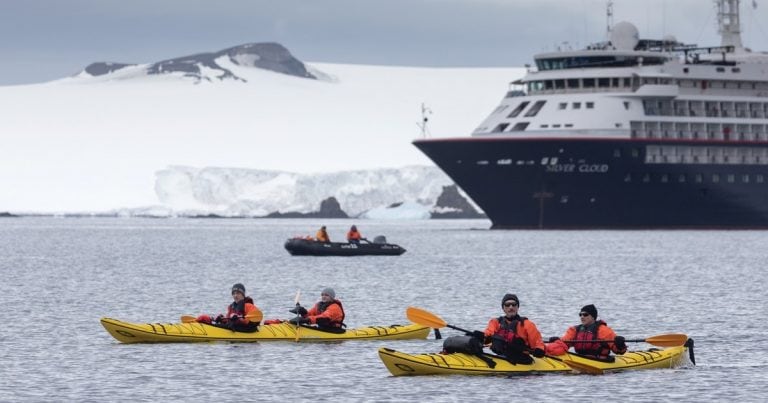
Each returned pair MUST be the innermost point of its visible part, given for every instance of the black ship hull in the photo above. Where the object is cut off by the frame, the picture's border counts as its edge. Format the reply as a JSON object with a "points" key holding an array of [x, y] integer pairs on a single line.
{"points": [[569, 183]]}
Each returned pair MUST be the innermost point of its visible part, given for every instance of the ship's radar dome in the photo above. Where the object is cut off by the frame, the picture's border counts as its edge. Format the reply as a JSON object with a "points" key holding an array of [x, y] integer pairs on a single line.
{"points": [[624, 36]]}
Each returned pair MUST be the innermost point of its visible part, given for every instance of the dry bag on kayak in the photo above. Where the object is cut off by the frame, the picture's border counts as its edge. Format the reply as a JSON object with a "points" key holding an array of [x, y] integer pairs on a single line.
{"points": [[467, 345]]}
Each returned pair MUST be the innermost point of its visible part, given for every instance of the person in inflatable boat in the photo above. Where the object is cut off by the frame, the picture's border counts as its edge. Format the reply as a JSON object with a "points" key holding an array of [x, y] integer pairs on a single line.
{"points": [[584, 337], [327, 314], [353, 235], [237, 312], [513, 336], [322, 235]]}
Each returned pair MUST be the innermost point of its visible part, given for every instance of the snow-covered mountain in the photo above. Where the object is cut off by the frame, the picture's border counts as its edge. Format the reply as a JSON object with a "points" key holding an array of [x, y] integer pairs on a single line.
{"points": [[99, 140]]}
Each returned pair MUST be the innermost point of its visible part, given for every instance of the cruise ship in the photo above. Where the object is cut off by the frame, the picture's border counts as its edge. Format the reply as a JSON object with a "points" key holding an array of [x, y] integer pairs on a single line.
{"points": [[628, 133]]}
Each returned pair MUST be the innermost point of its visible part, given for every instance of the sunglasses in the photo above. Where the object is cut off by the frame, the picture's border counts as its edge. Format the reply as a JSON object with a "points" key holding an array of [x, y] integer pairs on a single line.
{"points": [[508, 304], [583, 314]]}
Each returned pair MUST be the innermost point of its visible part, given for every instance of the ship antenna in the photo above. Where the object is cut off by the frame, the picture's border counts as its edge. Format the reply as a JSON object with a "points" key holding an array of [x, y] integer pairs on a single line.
{"points": [[425, 111], [729, 23], [609, 18]]}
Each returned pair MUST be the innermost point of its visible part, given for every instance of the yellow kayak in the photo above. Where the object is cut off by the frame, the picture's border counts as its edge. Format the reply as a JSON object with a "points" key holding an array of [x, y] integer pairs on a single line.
{"points": [[199, 332], [399, 363]]}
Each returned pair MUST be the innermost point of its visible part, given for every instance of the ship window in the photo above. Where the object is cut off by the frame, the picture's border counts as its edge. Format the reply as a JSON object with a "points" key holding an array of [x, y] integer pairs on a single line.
{"points": [[731, 178], [759, 178], [589, 83], [745, 178], [500, 128], [626, 105], [720, 69], [577, 105], [699, 178], [545, 161], [562, 105], [664, 178], [635, 152], [715, 178], [647, 178], [559, 84], [569, 125], [535, 108], [590, 105], [544, 126], [548, 85], [518, 109], [627, 82], [520, 127], [573, 83], [736, 70], [556, 126], [617, 153], [681, 178], [685, 70], [615, 82], [603, 82], [628, 178]]}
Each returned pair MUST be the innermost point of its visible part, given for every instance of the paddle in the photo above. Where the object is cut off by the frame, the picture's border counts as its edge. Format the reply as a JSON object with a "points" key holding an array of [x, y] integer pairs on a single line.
{"points": [[256, 316], [426, 318], [661, 340], [298, 326]]}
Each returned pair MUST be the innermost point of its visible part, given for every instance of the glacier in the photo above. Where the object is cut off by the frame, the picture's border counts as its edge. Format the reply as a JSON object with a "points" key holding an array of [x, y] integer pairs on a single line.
{"points": [[233, 192]]}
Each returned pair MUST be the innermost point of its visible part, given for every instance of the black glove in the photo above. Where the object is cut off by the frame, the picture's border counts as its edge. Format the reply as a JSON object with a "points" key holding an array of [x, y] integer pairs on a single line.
{"points": [[478, 335], [219, 319], [553, 339], [538, 353], [233, 318], [298, 320], [298, 310], [620, 343]]}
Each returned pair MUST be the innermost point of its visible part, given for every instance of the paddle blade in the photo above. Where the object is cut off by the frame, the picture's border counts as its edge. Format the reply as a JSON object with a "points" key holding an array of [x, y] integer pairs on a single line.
{"points": [[668, 340], [424, 318], [188, 319], [256, 316]]}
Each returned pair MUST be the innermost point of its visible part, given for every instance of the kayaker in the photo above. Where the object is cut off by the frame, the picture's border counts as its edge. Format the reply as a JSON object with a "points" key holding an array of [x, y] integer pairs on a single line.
{"points": [[581, 336], [235, 319], [513, 336], [322, 235], [353, 235], [327, 314]]}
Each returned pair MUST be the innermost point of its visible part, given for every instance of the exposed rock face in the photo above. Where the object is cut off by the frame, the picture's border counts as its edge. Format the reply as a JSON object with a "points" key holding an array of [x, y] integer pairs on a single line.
{"points": [[6, 214], [269, 56], [101, 68], [451, 204], [329, 208]]}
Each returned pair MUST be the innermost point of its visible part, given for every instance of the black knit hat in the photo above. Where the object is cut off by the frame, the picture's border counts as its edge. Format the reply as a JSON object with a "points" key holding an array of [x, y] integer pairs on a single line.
{"points": [[508, 297], [238, 287], [590, 309]]}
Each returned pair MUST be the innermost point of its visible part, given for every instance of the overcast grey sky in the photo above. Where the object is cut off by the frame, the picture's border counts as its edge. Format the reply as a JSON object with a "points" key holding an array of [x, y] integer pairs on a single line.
{"points": [[42, 40]]}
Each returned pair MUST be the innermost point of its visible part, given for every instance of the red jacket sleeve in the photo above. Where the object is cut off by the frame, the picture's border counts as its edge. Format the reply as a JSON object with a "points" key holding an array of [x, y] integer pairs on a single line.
{"points": [[530, 333], [332, 313]]}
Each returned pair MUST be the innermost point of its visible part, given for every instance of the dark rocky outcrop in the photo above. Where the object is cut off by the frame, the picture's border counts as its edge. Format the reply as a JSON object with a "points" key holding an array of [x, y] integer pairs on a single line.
{"points": [[6, 214], [451, 204], [329, 208], [268, 55], [101, 68]]}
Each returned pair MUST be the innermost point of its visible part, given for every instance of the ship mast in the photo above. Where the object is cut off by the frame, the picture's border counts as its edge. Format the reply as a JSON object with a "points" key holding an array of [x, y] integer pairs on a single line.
{"points": [[609, 18], [729, 23]]}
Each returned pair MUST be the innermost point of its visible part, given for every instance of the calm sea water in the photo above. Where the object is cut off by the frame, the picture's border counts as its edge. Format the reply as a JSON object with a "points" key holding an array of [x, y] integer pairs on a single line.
{"points": [[59, 276]]}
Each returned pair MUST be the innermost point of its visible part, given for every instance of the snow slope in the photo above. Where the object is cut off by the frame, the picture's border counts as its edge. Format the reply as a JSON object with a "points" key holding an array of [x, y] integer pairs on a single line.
{"points": [[90, 144]]}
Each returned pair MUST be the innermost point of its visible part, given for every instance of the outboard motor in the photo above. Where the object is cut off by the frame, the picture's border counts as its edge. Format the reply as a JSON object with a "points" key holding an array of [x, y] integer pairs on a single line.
{"points": [[381, 239]]}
